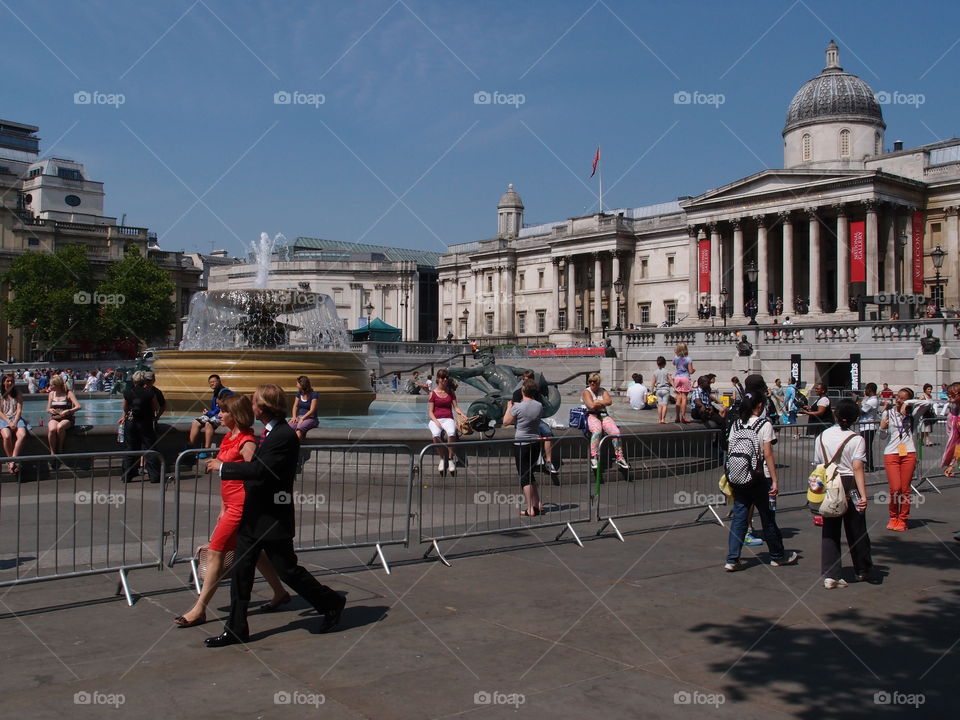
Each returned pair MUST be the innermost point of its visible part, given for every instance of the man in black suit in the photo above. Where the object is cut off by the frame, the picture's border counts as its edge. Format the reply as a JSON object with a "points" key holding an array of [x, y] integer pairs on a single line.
{"points": [[268, 522]]}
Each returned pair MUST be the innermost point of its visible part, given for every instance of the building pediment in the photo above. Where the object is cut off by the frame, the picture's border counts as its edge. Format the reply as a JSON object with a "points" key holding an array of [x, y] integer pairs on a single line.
{"points": [[772, 183]]}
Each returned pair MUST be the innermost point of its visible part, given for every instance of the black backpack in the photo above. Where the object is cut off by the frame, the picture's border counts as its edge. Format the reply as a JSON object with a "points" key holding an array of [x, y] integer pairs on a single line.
{"points": [[801, 399]]}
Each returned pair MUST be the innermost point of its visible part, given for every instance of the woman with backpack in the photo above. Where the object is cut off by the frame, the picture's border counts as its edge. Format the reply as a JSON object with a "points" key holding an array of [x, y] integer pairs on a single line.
{"points": [[752, 474], [846, 449]]}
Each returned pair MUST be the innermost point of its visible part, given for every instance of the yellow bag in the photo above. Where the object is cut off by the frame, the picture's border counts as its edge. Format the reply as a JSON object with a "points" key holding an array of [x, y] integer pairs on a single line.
{"points": [[725, 486], [651, 399]]}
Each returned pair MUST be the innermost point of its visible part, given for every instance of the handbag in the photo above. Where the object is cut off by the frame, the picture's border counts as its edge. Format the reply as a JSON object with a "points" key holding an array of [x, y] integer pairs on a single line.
{"points": [[834, 503], [464, 426], [578, 418], [202, 558]]}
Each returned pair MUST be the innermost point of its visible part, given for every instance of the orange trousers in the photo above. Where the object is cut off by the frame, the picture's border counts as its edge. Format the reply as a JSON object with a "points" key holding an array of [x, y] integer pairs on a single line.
{"points": [[899, 473]]}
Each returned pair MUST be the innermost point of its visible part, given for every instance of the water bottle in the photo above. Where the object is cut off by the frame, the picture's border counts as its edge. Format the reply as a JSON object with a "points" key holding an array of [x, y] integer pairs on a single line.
{"points": [[855, 499], [121, 433], [773, 502]]}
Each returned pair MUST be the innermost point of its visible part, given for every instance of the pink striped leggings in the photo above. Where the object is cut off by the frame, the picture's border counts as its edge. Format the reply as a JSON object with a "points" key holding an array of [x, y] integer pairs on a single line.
{"points": [[598, 428]]}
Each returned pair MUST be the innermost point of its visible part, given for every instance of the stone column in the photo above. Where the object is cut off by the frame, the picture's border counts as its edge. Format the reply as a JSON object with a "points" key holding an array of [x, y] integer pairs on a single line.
{"points": [[843, 260], [715, 266], [952, 247], [497, 301], [477, 315], [815, 260], [612, 292], [356, 309], [553, 314], [693, 263], [509, 304], [597, 292], [872, 247], [788, 261], [763, 277], [737, 267], [890, 252], [571, 294]]}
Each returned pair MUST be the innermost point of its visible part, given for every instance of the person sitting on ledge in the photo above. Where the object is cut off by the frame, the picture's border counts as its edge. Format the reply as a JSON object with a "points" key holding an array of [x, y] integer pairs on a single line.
{"points": [[210, 420]]}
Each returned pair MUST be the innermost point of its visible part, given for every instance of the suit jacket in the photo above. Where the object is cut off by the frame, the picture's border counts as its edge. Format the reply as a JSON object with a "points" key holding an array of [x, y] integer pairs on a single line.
{"points": [[268, 511]]}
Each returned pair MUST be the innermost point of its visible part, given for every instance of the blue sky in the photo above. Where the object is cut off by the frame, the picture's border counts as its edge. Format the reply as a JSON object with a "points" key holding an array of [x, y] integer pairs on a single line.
{"points": [[398, 152]]}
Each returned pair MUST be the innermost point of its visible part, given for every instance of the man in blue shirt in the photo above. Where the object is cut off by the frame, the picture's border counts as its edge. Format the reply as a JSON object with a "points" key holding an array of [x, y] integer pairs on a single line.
{"points": [[210, 420]]}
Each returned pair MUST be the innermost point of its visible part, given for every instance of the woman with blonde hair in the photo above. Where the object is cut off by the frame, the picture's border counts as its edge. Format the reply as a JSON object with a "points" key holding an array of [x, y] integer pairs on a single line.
{"points": [[597, 400], [236, 414], [62, 406], [681, 379]]}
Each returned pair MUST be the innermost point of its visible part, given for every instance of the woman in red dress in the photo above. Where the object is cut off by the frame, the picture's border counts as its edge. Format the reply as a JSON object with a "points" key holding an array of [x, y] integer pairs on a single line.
{"points": [[236, 413]]}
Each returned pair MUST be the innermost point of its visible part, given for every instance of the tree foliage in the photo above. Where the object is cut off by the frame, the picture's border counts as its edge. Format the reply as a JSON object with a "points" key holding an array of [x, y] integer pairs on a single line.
{"points": [[48, 294], [136, 300]]}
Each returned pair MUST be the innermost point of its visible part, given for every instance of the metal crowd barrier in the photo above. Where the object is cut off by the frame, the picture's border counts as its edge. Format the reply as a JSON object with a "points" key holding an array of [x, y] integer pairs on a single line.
{"points": [[71, 515], [929, 456], [484, 496], [346, 496]]}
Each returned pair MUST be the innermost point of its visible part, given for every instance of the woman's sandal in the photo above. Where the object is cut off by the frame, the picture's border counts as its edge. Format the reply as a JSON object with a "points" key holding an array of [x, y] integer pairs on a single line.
{"points": [[532, 512], [181, 622]]}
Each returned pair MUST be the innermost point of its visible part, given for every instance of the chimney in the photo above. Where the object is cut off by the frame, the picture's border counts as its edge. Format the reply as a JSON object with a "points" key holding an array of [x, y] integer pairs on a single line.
{"points": [[897, 145]]}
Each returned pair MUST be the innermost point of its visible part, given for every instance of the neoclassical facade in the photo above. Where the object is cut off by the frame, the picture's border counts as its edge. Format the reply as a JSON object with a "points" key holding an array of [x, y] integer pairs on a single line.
{"points": [[843, 222]]}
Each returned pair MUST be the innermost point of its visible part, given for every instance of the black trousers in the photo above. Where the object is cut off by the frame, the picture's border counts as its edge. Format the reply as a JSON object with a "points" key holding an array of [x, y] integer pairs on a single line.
{"points": [[284, 561], [526, 455], [868, 436], [855, 526], [140, 437]]}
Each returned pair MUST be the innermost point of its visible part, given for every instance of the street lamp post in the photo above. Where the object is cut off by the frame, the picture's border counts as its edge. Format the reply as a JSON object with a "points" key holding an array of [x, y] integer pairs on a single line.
{"points": [[466, 318], [752, 274], [618, 289], [723, 305], [369, 309], [937, 255]]}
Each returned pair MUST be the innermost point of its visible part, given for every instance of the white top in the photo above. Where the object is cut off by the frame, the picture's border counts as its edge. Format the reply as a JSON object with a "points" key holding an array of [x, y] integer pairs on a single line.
{"points": [[637, 393], [898, 433], [870, 413], [856, 449]]}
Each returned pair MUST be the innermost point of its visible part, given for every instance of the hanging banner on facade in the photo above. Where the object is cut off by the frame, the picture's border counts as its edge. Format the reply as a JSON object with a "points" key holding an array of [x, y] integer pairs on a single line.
{"points": [[703, 265], [917, 247], [855, 371], [795, 368], [858, 263]]}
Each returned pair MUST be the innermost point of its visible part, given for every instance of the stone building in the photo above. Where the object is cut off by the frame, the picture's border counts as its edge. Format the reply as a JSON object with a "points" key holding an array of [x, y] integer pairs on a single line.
{"points": [[844, 226]]}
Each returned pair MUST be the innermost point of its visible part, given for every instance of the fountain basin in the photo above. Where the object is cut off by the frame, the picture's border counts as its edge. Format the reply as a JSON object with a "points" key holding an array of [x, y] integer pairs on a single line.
{"points": [[341, 378]]}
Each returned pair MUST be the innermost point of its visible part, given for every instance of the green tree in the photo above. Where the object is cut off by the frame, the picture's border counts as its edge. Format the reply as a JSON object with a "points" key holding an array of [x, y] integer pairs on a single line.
{"points": [[136, 300], [51, 295]]}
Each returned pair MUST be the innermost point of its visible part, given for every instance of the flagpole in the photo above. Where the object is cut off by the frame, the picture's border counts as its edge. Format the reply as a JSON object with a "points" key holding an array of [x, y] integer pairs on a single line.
{"points": [[600, 168]]}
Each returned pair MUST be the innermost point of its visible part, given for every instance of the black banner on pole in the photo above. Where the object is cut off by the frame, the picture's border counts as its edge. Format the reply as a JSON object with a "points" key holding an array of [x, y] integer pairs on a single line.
{"points": [[795, 368], [855, 371]]}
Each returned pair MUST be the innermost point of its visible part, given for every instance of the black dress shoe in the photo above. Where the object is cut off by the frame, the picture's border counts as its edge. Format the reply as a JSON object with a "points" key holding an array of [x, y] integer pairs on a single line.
{"points": [[332, 618], [227, 637]]}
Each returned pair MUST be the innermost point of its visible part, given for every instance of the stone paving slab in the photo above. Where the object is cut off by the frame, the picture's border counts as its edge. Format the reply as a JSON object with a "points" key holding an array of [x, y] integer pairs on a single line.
{"points": [[515, 628]]}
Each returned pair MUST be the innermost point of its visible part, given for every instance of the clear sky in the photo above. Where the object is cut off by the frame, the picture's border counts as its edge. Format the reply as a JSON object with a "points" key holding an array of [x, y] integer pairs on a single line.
{"points": [[385, 143]]}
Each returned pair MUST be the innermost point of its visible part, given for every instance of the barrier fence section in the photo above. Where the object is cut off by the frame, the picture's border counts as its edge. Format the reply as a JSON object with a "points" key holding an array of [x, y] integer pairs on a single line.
{"points": [[484, 495], [930, 440], [71, 515], [345, 496]]}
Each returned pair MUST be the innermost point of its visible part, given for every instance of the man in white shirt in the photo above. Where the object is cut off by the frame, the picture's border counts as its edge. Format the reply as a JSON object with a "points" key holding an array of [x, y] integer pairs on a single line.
{"points": [[637, 392]]}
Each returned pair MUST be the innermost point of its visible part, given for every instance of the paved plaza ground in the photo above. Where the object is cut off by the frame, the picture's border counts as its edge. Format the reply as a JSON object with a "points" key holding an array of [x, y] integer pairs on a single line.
{"points": [[521, 626]]}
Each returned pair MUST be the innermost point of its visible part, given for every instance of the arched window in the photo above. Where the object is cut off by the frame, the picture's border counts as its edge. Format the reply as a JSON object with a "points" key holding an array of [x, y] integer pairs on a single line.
{"points": [[844, 143], [877, 144], [806, 147]]}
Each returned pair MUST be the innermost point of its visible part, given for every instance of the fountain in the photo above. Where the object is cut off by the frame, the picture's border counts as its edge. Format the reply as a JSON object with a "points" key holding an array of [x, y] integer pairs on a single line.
{"points": [[256, 336]]}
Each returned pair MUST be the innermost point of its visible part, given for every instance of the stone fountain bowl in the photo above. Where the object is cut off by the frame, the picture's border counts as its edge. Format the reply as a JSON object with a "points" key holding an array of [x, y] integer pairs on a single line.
{"points": [[341, 378]]}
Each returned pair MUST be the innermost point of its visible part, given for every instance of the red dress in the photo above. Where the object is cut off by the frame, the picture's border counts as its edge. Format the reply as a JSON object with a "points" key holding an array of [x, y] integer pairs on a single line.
{"points": [[225, 534]]}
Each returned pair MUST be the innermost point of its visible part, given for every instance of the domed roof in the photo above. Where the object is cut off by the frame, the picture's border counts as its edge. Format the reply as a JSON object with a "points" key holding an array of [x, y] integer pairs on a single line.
{"points": [[510, 199], [833, 95]]}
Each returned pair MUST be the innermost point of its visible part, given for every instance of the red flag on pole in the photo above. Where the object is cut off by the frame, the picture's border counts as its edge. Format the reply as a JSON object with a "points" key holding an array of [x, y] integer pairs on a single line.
{"points": [[596, 160]]}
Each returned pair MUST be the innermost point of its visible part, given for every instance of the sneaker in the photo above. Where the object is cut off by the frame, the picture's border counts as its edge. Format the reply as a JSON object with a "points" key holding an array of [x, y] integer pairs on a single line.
{"points": [[442, 466], [623, 463], [203, 456], [734, 566], [790, 559], [892, 525], [749, 539], [550, 468], [899, 526], [830, 583], [451, 466], [593, 463]]}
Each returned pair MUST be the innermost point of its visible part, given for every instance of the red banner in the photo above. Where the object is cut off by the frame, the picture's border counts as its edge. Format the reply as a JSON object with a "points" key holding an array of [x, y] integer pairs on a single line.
{"points": [[566, 352], [917, 245], [703, 265], [858, 263]]}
